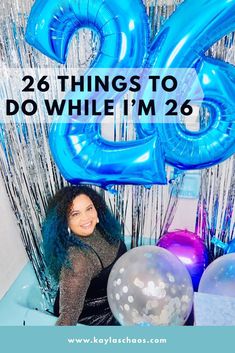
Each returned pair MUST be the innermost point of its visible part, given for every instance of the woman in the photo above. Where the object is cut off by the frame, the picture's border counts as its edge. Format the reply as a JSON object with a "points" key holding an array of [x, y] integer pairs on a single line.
{"points": [[82, 241]]}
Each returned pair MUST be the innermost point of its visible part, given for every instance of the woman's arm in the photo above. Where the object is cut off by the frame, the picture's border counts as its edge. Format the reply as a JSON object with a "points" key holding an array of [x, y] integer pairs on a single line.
{"points": [[74, 283]]}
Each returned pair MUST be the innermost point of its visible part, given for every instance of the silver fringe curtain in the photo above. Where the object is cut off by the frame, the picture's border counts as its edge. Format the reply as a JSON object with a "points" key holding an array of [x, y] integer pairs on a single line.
{"points": [[31, 177], [216, 206]]}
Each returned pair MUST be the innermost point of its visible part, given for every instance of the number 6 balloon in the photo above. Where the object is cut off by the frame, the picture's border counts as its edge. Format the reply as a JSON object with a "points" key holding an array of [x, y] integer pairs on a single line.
{"points": [[181, 43]]}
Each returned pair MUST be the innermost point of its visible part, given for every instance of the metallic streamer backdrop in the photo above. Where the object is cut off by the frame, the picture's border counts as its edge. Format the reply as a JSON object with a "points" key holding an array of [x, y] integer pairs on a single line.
{"points": [[216, 206], [31, 176]]}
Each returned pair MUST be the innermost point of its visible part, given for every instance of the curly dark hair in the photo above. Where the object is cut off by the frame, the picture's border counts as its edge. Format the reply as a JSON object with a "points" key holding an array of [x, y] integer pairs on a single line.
{"points": [[56, 237]]}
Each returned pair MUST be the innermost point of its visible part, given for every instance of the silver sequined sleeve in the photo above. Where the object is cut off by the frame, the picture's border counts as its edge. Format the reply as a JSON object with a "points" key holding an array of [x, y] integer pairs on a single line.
{"points": [[75, 281]]}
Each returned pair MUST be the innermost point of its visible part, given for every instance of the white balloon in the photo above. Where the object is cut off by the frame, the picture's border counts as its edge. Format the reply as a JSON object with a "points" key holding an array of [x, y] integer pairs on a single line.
{"points": [[219, 277]]}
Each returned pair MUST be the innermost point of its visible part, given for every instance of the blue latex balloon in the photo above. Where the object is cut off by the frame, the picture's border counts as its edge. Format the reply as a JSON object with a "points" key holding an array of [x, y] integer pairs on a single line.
{"points": [[227, 248], [80, 152], [182, 43]]}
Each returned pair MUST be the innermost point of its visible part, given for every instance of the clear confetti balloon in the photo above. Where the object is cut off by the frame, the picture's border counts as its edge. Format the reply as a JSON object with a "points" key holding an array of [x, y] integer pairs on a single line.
{"points": [[149, 286], [219, 277]]}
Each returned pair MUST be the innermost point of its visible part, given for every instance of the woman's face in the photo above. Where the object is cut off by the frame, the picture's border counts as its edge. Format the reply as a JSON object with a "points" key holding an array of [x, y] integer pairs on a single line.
{"points": [[82, 217]]}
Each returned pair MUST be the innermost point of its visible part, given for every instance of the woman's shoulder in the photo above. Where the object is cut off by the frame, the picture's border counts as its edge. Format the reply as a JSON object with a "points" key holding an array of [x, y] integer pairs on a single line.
{"points": [[81, 259], [75, 252]]}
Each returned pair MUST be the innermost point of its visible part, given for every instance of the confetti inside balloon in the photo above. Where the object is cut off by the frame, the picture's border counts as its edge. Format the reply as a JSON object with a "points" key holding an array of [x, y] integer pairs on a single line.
{"points": [[190, 249], [149, 286]]}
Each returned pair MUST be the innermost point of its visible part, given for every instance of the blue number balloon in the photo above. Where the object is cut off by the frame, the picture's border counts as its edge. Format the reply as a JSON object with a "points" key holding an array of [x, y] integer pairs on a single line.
{"points": [[123, 32], [182, 43], [80, 152]]}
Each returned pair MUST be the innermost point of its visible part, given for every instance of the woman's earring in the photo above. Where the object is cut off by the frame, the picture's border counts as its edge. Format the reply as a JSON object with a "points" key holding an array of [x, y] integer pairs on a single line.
{"points": [[97, 220], [69, 231]]}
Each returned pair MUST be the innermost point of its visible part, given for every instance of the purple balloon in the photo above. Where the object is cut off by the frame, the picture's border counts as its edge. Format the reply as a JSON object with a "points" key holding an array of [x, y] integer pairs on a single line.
{"points": [[190, 249]]}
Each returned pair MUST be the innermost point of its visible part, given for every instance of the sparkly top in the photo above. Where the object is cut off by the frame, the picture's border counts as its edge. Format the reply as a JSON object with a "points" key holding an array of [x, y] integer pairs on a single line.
{"points": [[75, 281]]}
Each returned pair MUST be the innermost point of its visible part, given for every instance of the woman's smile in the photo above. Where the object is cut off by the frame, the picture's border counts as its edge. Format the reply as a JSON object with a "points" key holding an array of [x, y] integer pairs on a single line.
{"points": [[82, 218], [86, 225]]}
